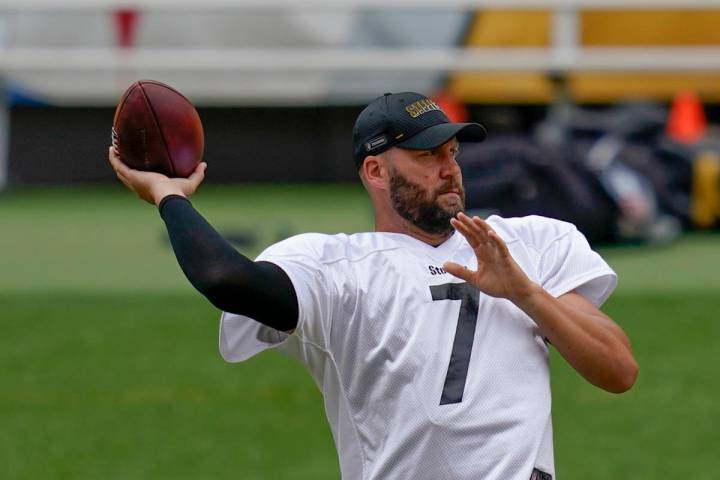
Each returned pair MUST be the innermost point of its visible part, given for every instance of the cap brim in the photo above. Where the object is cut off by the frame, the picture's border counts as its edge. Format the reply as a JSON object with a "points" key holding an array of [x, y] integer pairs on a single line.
{"points": [[437, 135]]}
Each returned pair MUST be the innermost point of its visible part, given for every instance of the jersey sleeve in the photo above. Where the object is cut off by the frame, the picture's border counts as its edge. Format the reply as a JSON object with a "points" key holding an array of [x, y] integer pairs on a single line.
{"points": [[299, 257], [242, 337], [568, 263]]}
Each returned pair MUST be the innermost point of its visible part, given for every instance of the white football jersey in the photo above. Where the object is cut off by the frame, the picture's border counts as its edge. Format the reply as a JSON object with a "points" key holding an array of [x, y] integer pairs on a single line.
{"points": [[423, 376]]}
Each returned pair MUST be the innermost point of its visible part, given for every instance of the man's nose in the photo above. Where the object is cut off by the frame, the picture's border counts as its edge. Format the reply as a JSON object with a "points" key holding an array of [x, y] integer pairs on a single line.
{"points": [[450, 166]]}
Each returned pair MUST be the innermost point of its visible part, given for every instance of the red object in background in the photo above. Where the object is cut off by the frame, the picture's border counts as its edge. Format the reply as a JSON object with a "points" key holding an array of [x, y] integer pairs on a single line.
{"points": [[126, 21], [455, 110], [687, 122]]}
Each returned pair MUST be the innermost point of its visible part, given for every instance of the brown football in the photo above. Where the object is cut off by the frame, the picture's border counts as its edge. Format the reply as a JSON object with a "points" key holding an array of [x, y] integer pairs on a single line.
{"points": [[157, 129]]}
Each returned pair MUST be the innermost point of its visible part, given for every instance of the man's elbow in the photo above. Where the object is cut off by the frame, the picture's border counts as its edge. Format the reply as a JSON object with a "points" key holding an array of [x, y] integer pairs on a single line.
{"points": [[216, 285], [625, 377], [222, 296]]}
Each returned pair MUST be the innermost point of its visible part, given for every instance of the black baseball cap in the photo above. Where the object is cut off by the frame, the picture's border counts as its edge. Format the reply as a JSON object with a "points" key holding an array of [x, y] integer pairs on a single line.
{"points": [[407, 120]]}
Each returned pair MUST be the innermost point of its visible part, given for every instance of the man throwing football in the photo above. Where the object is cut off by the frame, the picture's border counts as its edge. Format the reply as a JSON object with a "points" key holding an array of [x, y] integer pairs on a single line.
{"points": [[428, 337]]}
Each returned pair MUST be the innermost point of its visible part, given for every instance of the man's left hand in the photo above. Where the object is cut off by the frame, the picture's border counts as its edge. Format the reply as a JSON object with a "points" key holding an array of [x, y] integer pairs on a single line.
{"points": [[498, 274]]}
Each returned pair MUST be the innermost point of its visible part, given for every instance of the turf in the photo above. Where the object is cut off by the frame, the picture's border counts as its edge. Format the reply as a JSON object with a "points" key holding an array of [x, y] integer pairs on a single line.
{"points": [[131, 386], [666, 426], [110, 367]]}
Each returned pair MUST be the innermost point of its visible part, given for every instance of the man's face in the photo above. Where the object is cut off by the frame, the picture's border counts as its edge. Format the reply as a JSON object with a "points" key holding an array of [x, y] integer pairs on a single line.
{"points": [[426, 187]]}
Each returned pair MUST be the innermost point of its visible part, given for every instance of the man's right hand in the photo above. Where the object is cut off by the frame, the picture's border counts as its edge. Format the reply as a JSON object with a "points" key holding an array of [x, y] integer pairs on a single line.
{"points": [[153, 187]]}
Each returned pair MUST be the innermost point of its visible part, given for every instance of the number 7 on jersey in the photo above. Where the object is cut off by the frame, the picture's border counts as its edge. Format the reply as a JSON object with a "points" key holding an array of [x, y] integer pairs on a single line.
{"points": [[464, 336]]}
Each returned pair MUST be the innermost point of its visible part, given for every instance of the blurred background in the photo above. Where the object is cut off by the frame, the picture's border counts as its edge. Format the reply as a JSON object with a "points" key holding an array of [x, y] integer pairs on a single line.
{"points": [[599, 112]]}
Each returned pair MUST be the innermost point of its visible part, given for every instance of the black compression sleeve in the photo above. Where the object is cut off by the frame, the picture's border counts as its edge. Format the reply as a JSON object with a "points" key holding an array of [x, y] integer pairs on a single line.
{"points": [[231, 281]]}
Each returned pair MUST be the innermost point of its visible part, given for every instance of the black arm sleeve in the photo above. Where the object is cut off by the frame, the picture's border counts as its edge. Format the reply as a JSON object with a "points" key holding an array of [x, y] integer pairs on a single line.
{"points": [[231, 281]]}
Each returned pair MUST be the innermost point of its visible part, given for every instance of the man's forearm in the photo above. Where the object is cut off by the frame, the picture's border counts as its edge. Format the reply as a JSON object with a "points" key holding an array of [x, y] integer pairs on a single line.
{"points": [[231, 282], [588, 340]]}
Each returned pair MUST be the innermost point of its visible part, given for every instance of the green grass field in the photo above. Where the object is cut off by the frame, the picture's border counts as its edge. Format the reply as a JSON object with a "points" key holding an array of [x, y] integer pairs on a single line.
{"points": [[110, 366]]}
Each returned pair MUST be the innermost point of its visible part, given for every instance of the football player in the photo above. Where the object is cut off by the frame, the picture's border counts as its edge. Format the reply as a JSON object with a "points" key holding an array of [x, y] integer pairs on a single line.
{"points": [[429, 336]]}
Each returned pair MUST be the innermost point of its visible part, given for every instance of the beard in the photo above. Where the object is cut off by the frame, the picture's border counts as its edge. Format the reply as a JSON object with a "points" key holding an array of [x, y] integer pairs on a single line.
{"points": [[421, 207]]}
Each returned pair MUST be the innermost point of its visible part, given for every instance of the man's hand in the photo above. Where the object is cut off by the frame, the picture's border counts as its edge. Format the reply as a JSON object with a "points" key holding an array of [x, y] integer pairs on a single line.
{"points": [[498, 274], [153, 187], [588, 339]]}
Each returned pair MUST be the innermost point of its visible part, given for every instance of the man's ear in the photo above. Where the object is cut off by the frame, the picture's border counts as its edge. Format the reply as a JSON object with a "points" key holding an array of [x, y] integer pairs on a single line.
{"points": [[375, 172]]}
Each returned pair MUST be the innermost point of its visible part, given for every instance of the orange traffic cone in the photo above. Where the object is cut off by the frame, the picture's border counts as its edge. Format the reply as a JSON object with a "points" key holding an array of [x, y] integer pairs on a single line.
{"points": [[455, 110], [686, 123]]}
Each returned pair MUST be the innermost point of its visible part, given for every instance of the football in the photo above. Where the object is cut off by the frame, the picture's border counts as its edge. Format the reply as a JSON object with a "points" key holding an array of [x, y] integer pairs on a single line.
{"points": [[157, 129]]}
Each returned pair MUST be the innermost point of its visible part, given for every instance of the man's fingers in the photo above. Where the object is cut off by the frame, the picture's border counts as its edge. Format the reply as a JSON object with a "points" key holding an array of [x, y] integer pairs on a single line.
{"points": [[458, 270], [492, 236], [113, 157], [120, 174], [481, 223], [478, 230], [117, 164], [488, 236], [122, 178], [465, 232], [471, 229], [198, 175], [499, 243], [481, 226]]}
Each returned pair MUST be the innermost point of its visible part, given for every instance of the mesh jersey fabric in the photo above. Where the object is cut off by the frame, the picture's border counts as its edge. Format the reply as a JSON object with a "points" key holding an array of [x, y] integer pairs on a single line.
{"points": [[379, 348]]}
